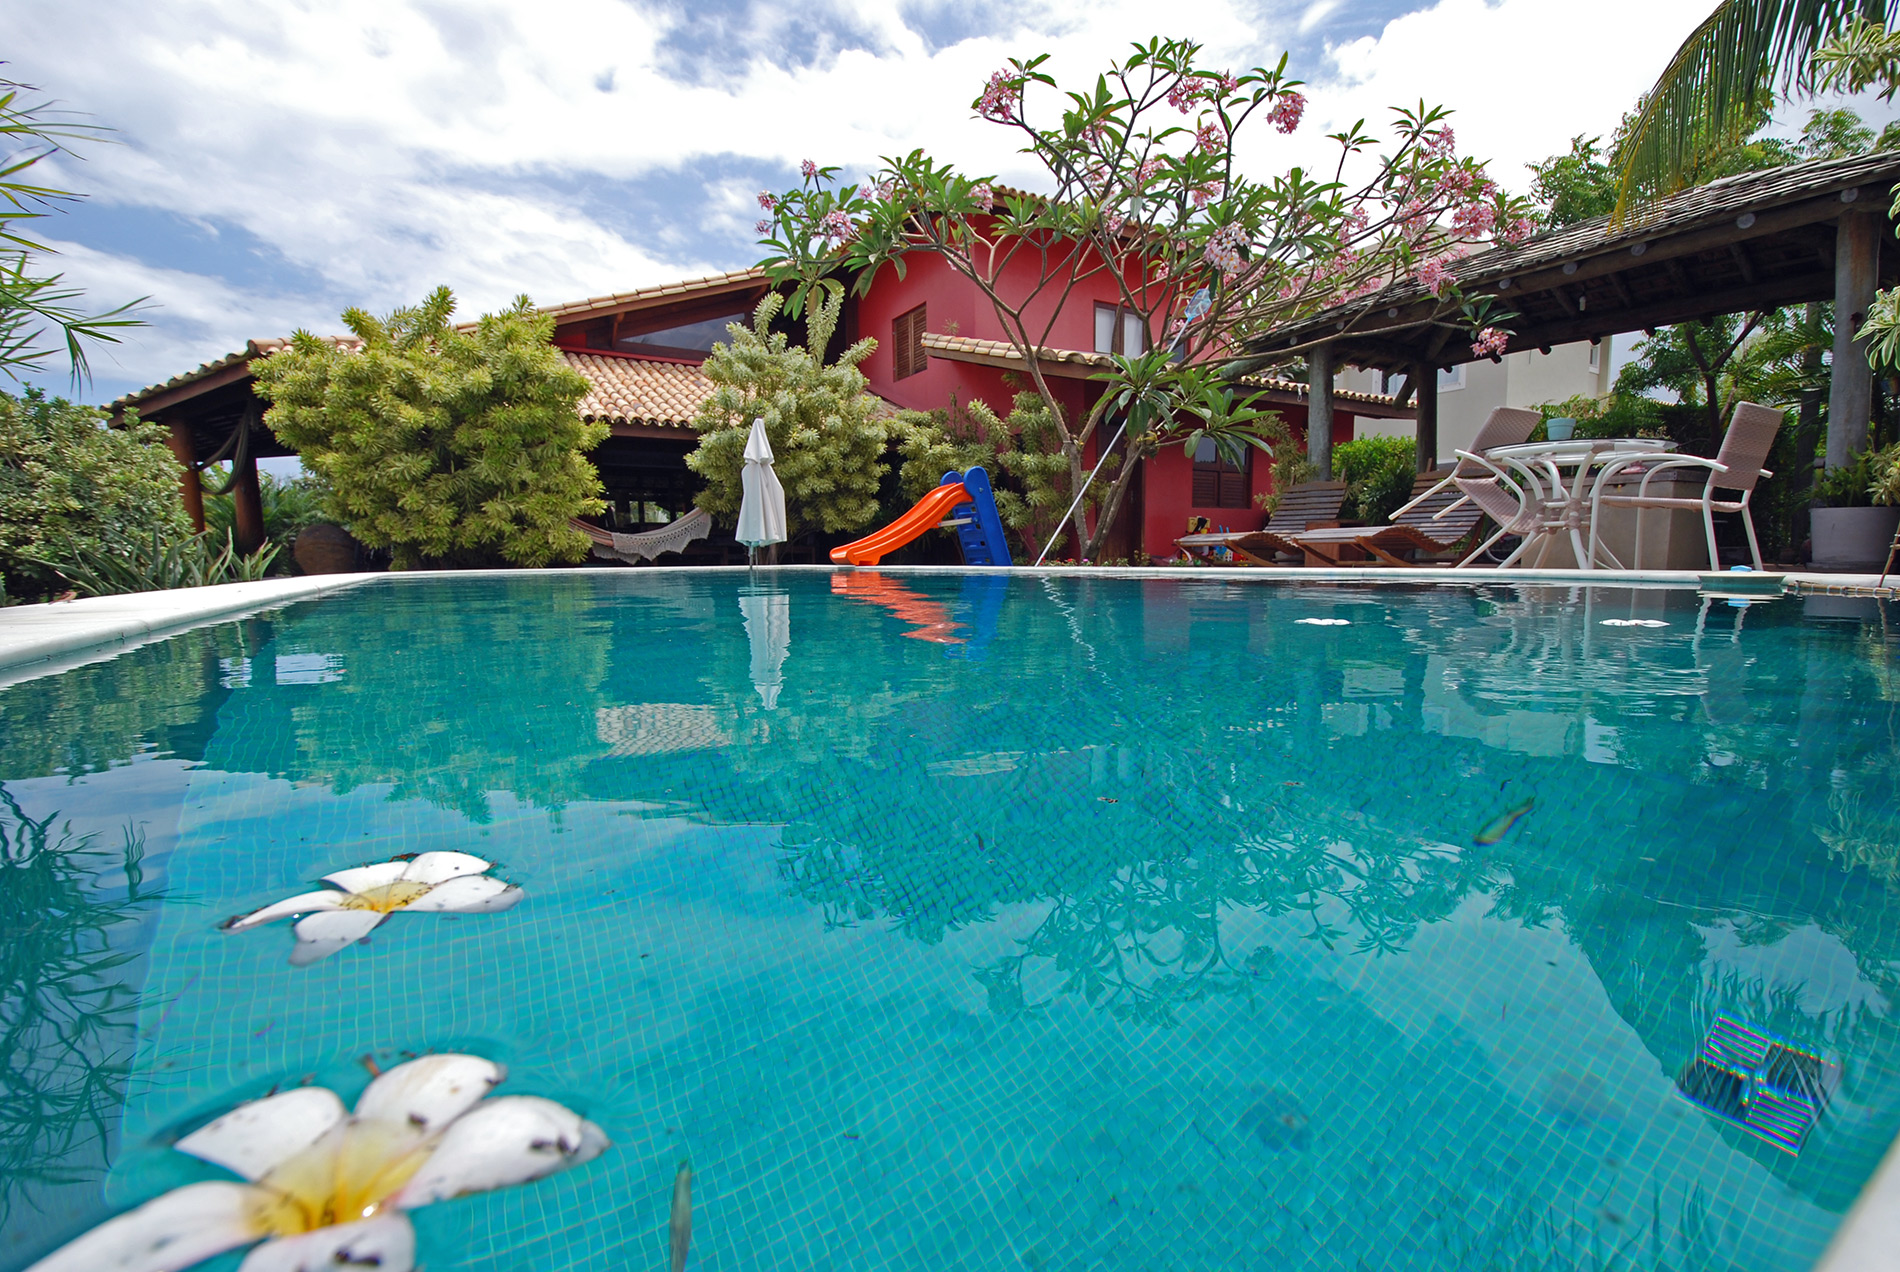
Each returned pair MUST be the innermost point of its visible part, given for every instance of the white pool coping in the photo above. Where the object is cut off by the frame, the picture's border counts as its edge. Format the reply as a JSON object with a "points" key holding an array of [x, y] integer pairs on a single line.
{"points": [[42, 640]]}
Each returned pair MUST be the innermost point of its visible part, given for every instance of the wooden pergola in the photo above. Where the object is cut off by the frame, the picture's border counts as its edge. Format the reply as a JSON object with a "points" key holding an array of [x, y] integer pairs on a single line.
{"points": [[1816, 231]]}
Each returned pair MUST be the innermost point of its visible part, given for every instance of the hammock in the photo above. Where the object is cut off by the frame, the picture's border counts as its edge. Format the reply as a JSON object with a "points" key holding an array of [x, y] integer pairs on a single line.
{"points": [[676, 536]]}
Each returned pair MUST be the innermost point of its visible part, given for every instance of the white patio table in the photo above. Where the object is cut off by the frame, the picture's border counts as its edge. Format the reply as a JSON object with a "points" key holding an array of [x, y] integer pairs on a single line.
{"points": [[1553, 478]]}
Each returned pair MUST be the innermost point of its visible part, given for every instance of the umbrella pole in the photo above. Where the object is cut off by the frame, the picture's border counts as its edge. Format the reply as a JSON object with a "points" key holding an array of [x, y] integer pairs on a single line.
{"points": [[751, 559]]}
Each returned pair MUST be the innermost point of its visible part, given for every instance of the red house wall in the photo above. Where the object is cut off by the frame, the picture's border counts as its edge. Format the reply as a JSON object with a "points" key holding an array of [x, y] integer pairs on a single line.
{"points": [[958, 307], [1168, 497]]}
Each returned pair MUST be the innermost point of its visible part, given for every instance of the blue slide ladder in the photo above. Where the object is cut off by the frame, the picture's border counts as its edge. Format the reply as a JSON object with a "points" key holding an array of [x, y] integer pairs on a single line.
{"points": [[979, 528]]}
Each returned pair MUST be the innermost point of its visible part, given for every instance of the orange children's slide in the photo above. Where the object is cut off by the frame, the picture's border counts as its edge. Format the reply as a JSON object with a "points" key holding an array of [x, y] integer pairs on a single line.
{"points": [[925, 516]]}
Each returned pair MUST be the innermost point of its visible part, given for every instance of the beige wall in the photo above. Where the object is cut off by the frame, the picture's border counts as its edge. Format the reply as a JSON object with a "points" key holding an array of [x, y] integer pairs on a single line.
{"points": [[1468, 392]]}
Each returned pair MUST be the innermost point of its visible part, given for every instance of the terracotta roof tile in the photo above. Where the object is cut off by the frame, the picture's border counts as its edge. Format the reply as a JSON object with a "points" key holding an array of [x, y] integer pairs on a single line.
{"points": [[252, 349], [686, 287], [968, 347], [639, 391]]}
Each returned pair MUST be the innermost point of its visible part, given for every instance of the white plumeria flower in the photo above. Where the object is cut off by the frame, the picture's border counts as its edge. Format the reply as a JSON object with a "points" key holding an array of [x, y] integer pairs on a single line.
{"points": [[328, 1189], [358, 900]]}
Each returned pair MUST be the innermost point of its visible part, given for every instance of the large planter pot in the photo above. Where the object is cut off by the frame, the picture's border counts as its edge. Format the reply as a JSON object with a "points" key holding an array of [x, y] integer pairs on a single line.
{"points": [[326, 549], [1852, 538]]}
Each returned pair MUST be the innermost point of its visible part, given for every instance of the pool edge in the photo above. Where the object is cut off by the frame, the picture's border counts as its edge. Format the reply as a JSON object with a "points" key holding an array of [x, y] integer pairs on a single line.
{"points": [[42, 640]]}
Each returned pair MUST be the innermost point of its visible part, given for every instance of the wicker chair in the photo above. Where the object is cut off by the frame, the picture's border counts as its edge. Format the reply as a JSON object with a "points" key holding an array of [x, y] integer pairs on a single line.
{"points": [[1505, 426]]}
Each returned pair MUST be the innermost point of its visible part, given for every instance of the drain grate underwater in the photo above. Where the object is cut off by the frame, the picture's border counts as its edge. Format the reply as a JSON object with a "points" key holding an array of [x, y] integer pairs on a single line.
{"points": [[1772, 1089]]}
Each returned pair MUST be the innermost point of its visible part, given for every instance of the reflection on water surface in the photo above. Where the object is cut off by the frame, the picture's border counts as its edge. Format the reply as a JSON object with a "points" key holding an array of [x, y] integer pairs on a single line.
{"points": [[991, 922]]}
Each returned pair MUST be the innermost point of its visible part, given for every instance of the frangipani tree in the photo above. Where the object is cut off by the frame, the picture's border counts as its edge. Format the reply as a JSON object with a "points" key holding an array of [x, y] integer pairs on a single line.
{"points": [[1147, 201]]}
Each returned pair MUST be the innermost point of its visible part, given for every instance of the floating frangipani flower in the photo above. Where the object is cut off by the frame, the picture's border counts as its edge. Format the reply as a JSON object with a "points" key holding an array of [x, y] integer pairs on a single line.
{"points": [[328, 1189], [1325, 622], [1632, 622], [358, 900]]}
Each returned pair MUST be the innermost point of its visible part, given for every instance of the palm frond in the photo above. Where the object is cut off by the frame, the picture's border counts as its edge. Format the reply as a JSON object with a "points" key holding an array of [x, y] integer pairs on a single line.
{"points": [[1715, 90]]}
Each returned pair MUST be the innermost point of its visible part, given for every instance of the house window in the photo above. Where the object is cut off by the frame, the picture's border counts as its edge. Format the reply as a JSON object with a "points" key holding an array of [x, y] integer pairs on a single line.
{"points": [[907, 344], [1596, 357], [1451, 379], [1217, 483], [1119, 329], [691, 340]]}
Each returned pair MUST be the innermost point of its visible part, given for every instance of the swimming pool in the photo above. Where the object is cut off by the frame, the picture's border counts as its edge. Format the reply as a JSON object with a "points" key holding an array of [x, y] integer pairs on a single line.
{"points": [[994, 922]]}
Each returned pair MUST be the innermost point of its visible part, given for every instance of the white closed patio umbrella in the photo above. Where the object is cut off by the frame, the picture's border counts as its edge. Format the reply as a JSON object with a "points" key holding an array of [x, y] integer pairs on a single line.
{"points": [[762, 506]]}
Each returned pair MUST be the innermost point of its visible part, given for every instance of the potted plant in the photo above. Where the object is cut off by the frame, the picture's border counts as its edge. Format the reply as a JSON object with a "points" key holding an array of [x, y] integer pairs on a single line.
{"points": [[1853, 512]]}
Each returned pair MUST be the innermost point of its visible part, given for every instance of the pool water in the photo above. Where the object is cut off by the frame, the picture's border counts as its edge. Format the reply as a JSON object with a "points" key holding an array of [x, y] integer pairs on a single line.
{"points": [[990, 922]]}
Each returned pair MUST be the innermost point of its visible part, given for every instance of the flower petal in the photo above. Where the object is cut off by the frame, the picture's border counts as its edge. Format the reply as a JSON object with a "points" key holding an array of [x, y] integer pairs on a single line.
{"points": [[324, 933], [430, 1092], [468, 894], [439, 867], [181, 1228], [363, 878], [254, 1137], [324, 899], [503, 1142], [386, 1243]]}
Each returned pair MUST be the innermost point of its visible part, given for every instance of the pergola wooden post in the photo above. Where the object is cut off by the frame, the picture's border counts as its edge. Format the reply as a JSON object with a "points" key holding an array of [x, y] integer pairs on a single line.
{"points": [[246, 500], [1319, 411], [1850, 403], [1425, 394], [190, 489]]}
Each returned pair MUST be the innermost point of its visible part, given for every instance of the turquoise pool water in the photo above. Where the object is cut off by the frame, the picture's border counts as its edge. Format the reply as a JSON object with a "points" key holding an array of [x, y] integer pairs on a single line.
{"points": [[989, 923]]}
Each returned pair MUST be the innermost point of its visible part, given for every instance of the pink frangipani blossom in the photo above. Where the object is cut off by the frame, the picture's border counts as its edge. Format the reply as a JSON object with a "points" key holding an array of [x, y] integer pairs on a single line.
{"points": [[1490, 342]]}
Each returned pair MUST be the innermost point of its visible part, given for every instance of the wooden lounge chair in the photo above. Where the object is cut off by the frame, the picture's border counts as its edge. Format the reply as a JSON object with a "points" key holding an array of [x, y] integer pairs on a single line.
{"points": [[1439, 517], [1309, 505]]}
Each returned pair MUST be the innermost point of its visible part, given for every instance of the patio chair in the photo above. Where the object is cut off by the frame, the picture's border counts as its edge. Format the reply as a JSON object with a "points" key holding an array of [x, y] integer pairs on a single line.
{"points": [[1505, 426], [1737, 466], [675, 536], [1439, 516], [1303, 507]]}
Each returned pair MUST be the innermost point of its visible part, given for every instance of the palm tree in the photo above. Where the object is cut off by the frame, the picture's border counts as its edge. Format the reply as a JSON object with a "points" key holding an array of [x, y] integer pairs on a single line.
{"points": [[1712, 93]]}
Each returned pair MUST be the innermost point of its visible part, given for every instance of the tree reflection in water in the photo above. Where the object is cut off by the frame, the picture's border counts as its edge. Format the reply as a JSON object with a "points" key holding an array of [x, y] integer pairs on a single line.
{"points": [[67, 1009]]}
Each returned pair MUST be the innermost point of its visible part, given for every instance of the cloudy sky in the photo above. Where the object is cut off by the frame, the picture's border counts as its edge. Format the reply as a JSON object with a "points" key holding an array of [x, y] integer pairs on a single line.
{"points": [[275, 163]]}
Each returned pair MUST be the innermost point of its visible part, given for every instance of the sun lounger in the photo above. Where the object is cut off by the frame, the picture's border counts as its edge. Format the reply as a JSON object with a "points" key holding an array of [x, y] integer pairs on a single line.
{"points": [[1306, 506], [1439, 517], [1505, 426]]}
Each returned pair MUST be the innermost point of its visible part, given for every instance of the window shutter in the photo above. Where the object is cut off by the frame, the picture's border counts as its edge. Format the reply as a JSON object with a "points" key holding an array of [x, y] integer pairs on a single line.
{"points": [[1206, 487], [907, 344]]}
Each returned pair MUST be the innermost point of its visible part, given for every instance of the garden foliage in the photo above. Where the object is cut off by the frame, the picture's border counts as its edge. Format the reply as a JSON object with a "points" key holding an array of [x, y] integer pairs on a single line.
{"points": [[827, 431], [1378, 473], [70, 485], [1144, 198], [448, 446]]}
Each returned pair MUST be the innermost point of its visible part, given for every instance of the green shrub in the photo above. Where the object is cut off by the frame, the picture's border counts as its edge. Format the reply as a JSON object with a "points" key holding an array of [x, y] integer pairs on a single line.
{"points": [[69, 484], [827, 430], [446, 445], [1378, 472]]}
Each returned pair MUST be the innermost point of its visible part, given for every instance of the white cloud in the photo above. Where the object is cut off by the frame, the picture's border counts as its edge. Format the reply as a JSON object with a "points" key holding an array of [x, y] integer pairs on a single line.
{"points": [[374, 148]]}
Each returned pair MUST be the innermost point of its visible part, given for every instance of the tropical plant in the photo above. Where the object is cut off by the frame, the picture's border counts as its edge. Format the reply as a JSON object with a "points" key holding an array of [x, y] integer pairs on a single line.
{"points": [[196, 560], [69, 484], [827, 431], [289, 506], [1711, 94], [34, 306], [1146, 201], [1378, 472], [447, 445]]}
